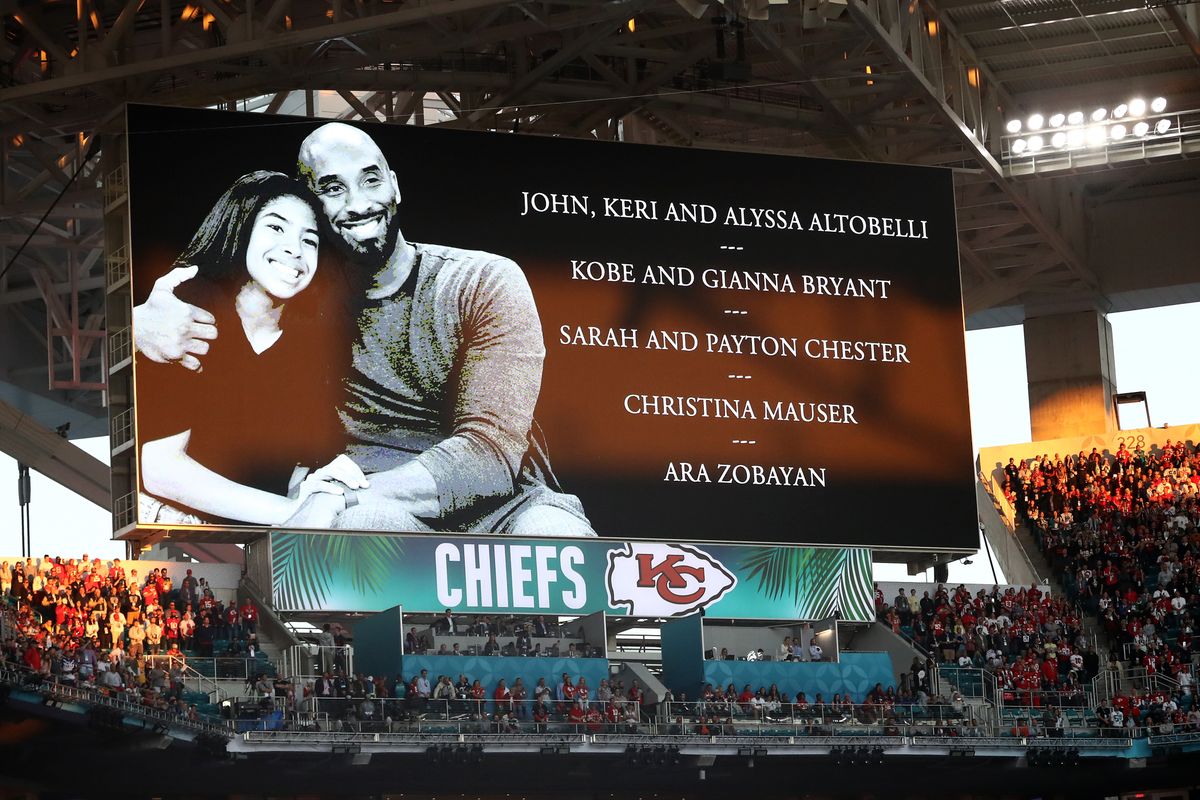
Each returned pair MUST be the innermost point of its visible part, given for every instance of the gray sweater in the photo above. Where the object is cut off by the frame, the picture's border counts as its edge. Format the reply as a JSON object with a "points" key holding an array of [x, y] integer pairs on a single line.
{"points": [[447, 370]]}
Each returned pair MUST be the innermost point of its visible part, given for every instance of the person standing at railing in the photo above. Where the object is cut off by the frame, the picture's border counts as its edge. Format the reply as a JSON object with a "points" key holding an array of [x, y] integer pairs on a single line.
{"points": [[503, 697], [188, 589], [204, 637], [187, 630], [249, 616], [154, 634], [137, 639]]}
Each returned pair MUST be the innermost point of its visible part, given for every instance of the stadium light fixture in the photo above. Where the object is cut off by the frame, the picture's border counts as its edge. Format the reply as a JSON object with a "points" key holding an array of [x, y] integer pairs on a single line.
{"points": [[1076, 137], [1035, 122], [1019, 146], [1099, 115], [1117, 132], [1059, 140], [1056, 120], [1141, 128], [1162, 126], [1013, 126], [1137, 107], [1035, 143], [1075, 118], [1096, 135], [1120, 111], [1158, 105]]}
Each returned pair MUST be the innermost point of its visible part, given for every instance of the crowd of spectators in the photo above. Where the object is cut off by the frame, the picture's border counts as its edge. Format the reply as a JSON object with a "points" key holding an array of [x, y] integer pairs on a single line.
{"points": [[501, 635], [1122, 535], [100, 625], [362, 701], [1034, 643]]}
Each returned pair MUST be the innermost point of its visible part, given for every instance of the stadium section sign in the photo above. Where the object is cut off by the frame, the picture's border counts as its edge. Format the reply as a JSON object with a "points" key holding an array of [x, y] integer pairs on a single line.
{"points": [[496, 334], [372, 572]]}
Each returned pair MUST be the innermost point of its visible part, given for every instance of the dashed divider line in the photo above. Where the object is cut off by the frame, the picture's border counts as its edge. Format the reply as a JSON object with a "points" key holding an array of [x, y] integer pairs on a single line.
{"points": [[732, 247], [740, 377], [736, 312], [744, 441]]}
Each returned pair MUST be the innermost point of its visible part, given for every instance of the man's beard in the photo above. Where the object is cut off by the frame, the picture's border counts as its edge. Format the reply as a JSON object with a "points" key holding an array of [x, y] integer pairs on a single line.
{"points": [[372, 253]]}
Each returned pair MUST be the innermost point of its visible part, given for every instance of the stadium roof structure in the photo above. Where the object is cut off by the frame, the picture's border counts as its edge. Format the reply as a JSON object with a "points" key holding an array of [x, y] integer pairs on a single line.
{"points": [[912, 81]]}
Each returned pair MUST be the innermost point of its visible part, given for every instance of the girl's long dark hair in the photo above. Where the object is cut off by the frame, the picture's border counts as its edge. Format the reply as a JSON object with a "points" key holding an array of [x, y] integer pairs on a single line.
{"points": [[219, 245]]}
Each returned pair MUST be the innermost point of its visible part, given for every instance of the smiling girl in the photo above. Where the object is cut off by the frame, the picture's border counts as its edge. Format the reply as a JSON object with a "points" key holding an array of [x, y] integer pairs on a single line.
{"points": [[223, 444]]}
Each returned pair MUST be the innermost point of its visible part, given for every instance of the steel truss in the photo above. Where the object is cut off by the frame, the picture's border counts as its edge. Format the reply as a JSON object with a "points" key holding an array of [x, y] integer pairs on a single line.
{"points": [[888, 80]]}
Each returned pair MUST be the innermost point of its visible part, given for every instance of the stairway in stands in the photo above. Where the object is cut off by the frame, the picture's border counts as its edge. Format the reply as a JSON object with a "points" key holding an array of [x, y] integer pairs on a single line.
{"points": [[1091, 625]]}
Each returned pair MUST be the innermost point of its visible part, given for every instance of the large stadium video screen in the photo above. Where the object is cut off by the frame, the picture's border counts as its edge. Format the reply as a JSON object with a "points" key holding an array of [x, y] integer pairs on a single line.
{"points": [[386, 327]]}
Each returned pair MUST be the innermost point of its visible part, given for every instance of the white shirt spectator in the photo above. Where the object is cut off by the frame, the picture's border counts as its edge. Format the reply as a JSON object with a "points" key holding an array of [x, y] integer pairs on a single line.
{"points": [[423, 686], [815, 652]]}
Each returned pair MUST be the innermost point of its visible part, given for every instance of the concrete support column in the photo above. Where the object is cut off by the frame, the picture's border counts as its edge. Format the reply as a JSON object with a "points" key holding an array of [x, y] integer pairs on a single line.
{"points": [[1072, 377]]}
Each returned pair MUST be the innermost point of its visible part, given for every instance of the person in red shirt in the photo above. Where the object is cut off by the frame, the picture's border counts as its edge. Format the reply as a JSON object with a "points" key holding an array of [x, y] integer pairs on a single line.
{"points": [[249, 617], [478, 694], [33, 657], [575, 716], [540, 717], [1050, 673], [595, 721], [232, 622], [503, 697]]}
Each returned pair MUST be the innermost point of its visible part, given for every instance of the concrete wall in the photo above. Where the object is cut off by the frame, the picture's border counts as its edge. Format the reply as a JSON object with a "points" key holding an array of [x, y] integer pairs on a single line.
{"points": [[999, 523], [879, 638], [1146, 243], [1070, 366]]}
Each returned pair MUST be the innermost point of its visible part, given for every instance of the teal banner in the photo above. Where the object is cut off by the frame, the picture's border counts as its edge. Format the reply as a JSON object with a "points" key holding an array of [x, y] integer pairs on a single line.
{"points": [[423, 573]]}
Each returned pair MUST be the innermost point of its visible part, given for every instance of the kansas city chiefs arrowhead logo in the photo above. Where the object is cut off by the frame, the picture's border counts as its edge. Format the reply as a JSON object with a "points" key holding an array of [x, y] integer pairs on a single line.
{"points": [[654, 579]]}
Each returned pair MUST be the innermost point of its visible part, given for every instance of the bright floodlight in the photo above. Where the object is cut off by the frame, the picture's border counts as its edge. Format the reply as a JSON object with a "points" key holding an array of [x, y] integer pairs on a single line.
{"points": [[1059, 140], [1158, 105], [1035, 143], [1099, 114], [1160, 127], [1035, 122], [1141, 129], [1056, 120], [1096, 134], [1013, 126], [1120, 111], [1137, 107], [1117, 132], [1075, 118], [1019, 146], [1075, 137]]}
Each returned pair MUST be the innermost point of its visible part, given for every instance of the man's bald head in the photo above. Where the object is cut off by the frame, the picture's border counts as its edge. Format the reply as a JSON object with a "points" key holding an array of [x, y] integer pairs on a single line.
{"points": [[348, 173]]}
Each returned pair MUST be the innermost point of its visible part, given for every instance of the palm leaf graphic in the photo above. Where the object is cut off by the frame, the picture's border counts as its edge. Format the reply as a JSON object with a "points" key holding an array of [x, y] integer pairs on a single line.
{"points": [[303, 565], [300, 579], [855, 587], [807, 576]]}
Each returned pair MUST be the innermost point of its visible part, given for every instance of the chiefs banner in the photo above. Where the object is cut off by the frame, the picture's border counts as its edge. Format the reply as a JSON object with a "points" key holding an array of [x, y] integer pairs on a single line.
{"points": [[367, 573]]}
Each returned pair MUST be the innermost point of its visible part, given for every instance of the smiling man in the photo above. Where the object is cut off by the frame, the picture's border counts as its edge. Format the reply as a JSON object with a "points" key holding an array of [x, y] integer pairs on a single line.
{"points": [[446, 367]]}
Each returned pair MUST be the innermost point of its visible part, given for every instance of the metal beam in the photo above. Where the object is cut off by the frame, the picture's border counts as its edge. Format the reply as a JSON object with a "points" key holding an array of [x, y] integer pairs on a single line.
{"points": [[30, 442], [890, 41], [255, 47]]}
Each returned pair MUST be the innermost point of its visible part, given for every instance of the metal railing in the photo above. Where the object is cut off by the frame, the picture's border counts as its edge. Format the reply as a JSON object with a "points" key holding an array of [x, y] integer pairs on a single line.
{"points": [[308, 661], [24, 679], [205, 671], [1131, 681], [468, 718]]}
